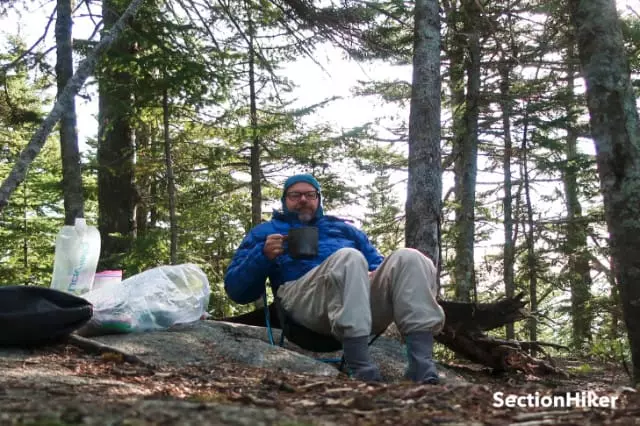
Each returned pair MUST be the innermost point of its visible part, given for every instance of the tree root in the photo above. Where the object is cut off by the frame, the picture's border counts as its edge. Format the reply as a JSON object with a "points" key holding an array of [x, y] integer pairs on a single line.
{"points": [[92, 346]]}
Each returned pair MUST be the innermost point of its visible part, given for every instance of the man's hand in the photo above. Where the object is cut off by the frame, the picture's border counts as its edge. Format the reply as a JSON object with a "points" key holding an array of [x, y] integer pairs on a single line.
{"points": [[273, 246]]}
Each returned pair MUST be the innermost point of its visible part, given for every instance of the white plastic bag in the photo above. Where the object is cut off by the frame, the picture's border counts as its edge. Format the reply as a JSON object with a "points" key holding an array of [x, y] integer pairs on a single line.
{"points": [[152, 300], [76, 258]]}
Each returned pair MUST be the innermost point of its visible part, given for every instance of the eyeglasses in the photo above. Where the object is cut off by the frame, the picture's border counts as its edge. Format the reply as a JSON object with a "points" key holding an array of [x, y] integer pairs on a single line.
{"points": [[295, 196]]}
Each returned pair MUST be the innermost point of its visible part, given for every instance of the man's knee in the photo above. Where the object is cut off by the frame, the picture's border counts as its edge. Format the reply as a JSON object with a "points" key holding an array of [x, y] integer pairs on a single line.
{"points": [[411, 255], [348, 262], [351, 256]]}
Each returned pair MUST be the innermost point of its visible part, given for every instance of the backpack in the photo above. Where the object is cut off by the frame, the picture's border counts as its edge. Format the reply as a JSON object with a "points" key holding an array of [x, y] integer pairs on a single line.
{"points": [[32, 316]]}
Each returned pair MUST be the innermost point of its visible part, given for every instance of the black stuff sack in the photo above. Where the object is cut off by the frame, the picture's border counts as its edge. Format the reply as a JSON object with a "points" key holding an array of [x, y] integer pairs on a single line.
{"points": [[33, 316]]}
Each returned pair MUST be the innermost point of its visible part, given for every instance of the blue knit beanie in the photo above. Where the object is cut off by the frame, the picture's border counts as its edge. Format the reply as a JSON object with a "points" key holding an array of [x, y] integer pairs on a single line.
{"points": [[297, 179]]}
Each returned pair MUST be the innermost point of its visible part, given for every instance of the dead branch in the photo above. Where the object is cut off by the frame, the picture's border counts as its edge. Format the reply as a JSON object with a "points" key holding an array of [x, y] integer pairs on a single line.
{"points": [[92, 346], [86, 67]]}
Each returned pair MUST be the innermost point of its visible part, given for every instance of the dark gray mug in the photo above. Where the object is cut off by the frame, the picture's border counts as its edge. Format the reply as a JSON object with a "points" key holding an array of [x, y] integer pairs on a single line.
{"points": [[303, 242]]}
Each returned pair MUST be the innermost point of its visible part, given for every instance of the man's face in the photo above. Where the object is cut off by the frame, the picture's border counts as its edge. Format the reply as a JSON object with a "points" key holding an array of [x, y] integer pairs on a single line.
{"points": [[299, 198]]}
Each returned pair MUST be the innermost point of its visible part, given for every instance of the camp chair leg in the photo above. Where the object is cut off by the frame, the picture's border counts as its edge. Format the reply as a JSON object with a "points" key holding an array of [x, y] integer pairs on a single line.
{"points": [[267, 320], [333, 361], [375, 338]]}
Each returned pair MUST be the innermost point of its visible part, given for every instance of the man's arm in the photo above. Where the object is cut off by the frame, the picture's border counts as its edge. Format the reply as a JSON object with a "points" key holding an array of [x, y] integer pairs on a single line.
{"points": [[245, 278], [373, 256]]}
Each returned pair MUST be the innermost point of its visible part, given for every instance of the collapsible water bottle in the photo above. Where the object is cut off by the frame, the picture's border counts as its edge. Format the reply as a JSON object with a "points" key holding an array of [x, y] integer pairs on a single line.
{"points": [[76, 258]]}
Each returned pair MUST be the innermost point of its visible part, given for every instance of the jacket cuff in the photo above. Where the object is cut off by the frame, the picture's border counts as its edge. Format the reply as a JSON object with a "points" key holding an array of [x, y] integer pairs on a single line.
{"points": [[261, 260]]}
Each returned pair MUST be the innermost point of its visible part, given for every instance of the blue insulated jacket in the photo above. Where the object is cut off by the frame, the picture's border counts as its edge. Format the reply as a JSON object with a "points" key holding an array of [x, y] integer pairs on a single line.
{"points": [[246, 276]]}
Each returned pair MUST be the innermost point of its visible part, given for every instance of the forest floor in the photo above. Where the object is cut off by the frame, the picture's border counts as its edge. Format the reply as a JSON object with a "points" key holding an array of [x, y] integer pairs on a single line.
{"points": [[66, 386]]}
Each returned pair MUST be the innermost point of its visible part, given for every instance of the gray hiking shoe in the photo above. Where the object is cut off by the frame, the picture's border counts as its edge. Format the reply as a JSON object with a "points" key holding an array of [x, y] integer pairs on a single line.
{"points": [[356, 356], [421, 368]]}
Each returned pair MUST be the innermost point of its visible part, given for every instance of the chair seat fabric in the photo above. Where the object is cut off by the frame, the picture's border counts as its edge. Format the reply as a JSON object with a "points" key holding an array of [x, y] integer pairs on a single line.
{"points": [[302, 336]]}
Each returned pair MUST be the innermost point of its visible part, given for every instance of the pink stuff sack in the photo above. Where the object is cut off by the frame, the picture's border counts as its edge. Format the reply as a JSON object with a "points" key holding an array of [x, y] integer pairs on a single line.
{"points": [[107, 278]]}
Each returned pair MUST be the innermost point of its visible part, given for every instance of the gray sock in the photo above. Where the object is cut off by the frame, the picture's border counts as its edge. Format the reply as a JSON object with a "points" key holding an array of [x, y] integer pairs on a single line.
{"points": [[421, 368], [356, 356]]}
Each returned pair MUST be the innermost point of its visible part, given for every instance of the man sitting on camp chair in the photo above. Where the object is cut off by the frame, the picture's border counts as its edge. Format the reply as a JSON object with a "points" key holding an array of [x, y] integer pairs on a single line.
{"points": [[347, 289]]}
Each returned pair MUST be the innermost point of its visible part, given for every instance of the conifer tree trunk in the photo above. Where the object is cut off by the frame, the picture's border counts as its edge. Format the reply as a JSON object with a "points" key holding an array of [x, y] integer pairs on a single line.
{"points": [[530, 238], [144, 180], [171, 187], [154, 214], [616, 307], [256, 187], [579, 271], [71, 170], [528, 224], [509, 245], [423, 206], [455, 50], [117, 194], [466, 161], [615, 130], [254, 161]]}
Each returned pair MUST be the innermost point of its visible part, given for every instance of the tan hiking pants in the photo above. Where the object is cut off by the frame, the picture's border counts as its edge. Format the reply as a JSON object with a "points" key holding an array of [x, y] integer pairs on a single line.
{"points": [[338, 297]]}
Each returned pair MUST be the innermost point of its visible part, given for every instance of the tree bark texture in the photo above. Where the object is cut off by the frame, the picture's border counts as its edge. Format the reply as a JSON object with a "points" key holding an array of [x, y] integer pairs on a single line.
{"points": [[614, 128], [423, 206], [256, 173], [579, 270], [86, 67], [532, 270], [71, 166], [171, 186], [467, 160], [507, 203], [117, 195], [455, 50], [145, 150]]}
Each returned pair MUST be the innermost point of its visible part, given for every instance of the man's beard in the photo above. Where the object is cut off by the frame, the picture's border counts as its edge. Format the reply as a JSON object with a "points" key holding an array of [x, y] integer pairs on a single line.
{"points": [[305, 217]]}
